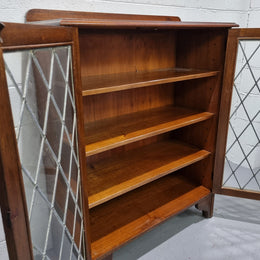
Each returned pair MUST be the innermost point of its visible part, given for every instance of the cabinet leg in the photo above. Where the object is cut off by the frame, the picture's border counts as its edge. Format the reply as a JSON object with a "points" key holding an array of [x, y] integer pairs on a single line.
{"points": [[206, 205], [108, 257]]}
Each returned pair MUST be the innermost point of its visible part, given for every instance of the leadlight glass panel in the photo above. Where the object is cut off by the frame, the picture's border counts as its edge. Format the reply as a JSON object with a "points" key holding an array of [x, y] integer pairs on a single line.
{"points": [[43, 106], [242, 164]]}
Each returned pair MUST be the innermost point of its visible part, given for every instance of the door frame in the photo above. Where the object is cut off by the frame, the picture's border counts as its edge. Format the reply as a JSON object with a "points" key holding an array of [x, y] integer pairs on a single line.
{"points": [[234, 36], [14, 37]]}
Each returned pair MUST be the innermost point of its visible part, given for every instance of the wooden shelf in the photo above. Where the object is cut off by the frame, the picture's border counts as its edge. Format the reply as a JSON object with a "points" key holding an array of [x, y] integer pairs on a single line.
{"points": [[122, 219], [110, 133], [99, 84], [115, 176]]}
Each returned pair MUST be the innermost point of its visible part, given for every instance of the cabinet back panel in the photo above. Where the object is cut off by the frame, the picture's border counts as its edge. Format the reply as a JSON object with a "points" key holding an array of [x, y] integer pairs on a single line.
{"points": [[189, 94], [201, 134], [200, 172], [124, 102], [125, 148], [201, 49], [115, 51]]}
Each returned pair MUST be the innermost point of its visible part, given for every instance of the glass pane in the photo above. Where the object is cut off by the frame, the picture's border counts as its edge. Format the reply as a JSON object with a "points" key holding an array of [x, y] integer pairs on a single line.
{"points": [[43, 106], [66, 247], [70, 215], [61, 196], [242, 164], [55, 237], [39, 221]]}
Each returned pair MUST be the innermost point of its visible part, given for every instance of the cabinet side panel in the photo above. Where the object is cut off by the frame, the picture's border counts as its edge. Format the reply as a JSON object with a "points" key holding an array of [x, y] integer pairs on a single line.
{"points": [[80, 124], [201, 49]]}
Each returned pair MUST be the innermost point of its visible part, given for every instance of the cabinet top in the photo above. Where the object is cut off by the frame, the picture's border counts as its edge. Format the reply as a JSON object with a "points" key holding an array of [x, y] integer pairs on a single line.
{"points": [[120, 21]]}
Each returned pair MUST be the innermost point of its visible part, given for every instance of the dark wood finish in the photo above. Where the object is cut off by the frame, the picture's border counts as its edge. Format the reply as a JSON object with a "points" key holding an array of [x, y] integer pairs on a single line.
{"points": [[118, 51], [206, 205], [137, 126], [225, 107], [115, 222], [135, 104], [204, 49], [81, 147], [99, 84], [108, 257], [194, 49], [44, 14], [199, 172], [107, 178], [103, 20], [228, 81], [120, 103], [247, 194], [117, 20], [13, 204], [20, 36], [247, 33], [12, 199], [213, 42], [139, 24]]}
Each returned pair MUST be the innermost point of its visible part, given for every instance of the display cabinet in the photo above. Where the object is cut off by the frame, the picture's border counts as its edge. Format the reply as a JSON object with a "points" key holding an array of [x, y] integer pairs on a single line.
{"points": [[152, 96]]}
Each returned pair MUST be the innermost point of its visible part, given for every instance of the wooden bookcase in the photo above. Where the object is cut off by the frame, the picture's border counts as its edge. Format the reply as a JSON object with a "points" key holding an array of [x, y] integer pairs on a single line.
{"points": [[151, 89], [151, 93]]}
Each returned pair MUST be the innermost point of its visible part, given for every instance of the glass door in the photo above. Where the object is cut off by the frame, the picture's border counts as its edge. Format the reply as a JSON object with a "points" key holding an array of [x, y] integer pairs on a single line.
{"points": [[237, 160], [42, 83]]}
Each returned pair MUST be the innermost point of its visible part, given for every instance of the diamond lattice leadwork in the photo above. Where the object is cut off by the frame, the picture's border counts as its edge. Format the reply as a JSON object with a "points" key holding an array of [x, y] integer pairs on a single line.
{"points": [[43, 106], [242, 163]]}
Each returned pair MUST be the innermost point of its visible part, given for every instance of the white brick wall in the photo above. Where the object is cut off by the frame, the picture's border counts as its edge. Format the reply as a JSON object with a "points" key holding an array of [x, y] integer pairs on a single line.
{"points": [[244, 12], [3, 251], [190, 10]]}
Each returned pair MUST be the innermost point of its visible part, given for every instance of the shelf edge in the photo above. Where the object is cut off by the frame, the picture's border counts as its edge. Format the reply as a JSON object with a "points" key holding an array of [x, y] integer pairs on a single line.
{"points": [[164, 170], [153, 217], [145, 133], [90, 92]]}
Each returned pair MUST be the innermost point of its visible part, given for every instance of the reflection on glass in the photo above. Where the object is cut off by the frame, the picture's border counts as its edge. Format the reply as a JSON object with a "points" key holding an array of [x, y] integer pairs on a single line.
{"points": [[242, 164], [43, 108]]}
